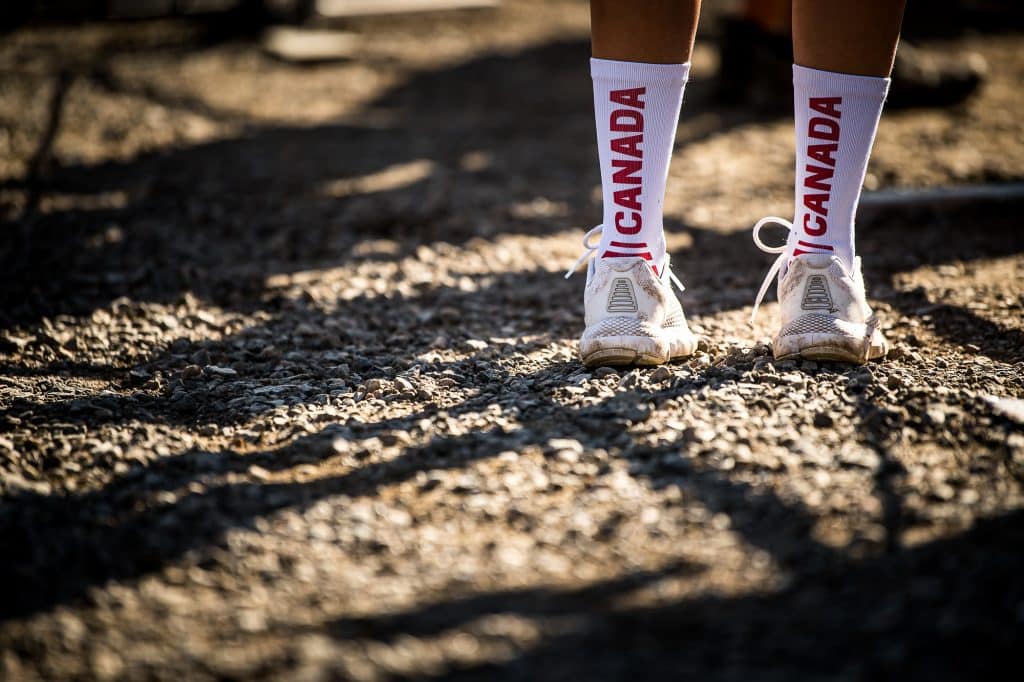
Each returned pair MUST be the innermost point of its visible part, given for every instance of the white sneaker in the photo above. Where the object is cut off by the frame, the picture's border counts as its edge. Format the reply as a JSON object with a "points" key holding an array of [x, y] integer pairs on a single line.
{"points": [[632, 315], [825, 314]]}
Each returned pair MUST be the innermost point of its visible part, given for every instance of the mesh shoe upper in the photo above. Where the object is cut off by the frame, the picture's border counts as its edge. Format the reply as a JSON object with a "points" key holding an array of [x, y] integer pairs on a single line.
{"points": [[632, 314], [823, 306]]}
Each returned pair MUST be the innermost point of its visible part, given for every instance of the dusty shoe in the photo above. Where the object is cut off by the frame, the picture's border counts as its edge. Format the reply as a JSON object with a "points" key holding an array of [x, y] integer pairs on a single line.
{"points": [[632, 314], [824, 310]]}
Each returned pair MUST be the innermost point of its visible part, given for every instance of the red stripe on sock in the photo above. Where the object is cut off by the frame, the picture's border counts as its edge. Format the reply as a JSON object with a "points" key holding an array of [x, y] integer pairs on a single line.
{"points": [[630, 245], [809, 245], [617, 254]]}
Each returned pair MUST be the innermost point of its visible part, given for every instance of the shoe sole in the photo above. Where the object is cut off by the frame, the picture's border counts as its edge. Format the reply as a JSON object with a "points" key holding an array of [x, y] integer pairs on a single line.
{"points": [[832, 347], [618, 351]]}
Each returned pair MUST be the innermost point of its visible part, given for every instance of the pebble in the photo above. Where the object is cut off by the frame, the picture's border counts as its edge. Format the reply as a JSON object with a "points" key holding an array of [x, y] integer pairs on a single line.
{"points": [[570, 444], [703, 434], [1011, 408], [661, 374], [824, 420], [630, 380], [936, 414]]}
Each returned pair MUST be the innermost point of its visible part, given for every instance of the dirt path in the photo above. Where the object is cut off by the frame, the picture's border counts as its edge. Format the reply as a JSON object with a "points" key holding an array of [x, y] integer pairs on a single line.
{"points": [[288, 385]]}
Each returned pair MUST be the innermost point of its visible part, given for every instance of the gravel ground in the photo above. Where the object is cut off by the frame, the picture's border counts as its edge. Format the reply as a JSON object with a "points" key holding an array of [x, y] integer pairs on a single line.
{"points": [[288, 384]]}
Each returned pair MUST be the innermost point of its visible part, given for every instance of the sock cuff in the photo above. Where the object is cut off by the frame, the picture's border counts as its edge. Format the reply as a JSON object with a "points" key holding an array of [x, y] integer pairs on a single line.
{"points": [[639, 71], [847, 83]]}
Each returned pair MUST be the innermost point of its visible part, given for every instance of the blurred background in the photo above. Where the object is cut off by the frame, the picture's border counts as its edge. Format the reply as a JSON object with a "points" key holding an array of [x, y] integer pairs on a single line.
{"points": [[214, 106], [288, 385]]}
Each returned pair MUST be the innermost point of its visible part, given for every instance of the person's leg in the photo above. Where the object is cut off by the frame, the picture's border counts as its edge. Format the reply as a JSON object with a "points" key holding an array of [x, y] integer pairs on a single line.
{"points": [[843, 52], [640, 65], [847, 36], [651, 32]]}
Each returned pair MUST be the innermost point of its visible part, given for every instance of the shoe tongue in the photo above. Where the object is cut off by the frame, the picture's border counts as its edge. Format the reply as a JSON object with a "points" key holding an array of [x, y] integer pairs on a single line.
{"points": [[623, 264], [815, 260]]}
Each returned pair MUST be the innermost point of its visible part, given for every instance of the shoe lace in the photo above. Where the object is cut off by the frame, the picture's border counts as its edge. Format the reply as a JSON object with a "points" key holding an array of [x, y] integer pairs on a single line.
{"points": [[589, 250], [777, 265]]}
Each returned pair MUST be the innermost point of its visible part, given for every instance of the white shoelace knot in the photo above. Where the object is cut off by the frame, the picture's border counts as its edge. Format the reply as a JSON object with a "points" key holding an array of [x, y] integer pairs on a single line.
{"points": [[777, 265]]}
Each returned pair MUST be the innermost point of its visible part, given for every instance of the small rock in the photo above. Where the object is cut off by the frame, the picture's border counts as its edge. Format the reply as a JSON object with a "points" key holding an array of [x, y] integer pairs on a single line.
{"points": [[603, 372], [138, 376], [220, 371], [969, 496], [568, 456], [200, 357], [823, 420], [391, 438], [570, 444], [700, 361], [936, 415], [1011, 408], [661, 374], [628, 381], [191, 372], [703, 434], [269, 353], [15, 483]]}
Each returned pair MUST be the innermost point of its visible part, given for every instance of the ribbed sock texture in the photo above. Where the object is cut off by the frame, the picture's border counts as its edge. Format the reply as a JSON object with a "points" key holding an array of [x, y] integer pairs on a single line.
{"points": [[636, 107], [836, 117]]}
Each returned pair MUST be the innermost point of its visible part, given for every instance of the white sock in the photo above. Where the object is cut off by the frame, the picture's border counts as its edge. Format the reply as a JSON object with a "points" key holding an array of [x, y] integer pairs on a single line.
{"points": [[836, 116], [636, 107]]}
